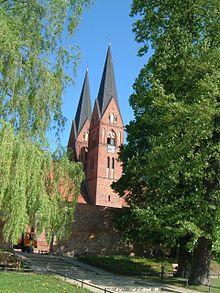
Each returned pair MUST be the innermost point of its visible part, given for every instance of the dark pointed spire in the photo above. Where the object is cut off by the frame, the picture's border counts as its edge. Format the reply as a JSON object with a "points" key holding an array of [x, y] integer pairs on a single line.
{"points": [[84, 107], [107, 89]]}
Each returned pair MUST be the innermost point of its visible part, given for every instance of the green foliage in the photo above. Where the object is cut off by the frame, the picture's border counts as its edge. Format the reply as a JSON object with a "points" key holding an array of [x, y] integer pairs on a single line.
{"points": [[35, 189], [34, 53], [23, 166], [63, 184], [171, 160], [36, 48]]}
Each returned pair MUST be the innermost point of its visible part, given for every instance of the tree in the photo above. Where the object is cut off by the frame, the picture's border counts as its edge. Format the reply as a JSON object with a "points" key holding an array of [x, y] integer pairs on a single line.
{"points": [[63, 185], [35, 49], [171, 159]]}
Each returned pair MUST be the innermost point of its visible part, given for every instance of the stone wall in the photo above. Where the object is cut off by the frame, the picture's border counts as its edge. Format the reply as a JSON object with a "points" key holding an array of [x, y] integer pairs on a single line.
{"points": [[94, 233]]}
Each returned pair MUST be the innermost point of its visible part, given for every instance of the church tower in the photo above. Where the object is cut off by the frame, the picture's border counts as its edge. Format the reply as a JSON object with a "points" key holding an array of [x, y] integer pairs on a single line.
{"points": [[106, 134], [78, 140]]}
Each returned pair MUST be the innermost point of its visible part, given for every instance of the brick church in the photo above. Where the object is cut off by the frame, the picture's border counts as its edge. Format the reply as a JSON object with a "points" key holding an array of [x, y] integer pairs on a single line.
{"points": [[95, 138]]}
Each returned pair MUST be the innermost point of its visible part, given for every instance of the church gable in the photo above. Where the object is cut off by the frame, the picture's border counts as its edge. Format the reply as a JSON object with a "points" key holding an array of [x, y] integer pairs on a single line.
{"points": [[111, 125], [112, 114]]}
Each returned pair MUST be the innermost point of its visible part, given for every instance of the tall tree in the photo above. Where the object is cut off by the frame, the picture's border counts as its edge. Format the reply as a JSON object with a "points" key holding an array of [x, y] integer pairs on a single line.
{"points": [[171, 159], [35, 48], [63, 185]]}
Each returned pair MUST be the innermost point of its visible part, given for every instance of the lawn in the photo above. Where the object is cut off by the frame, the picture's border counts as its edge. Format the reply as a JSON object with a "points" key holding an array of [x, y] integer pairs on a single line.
{"points": [[215, 285], [17, 282], [125, 265]]}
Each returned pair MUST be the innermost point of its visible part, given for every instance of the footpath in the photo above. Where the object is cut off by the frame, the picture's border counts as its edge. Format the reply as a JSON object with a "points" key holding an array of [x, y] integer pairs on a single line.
{"points": [[91, 278]]}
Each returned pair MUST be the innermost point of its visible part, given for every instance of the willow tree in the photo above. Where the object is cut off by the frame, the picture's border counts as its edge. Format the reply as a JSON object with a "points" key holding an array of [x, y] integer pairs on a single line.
{"points": [[171, 160], [35, 48], [63, 185]]}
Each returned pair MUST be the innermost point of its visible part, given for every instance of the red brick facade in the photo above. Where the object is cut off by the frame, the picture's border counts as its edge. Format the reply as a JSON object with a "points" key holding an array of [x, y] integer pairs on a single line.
{"points": [[99, 149], [105, 137]]}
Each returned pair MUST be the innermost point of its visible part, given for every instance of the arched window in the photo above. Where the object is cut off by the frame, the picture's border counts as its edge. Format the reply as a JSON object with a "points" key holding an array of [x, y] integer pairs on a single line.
{"points": [[113, 163], [108, 168], [113, 168], [112, 118], [111, 138], [109, 198]]}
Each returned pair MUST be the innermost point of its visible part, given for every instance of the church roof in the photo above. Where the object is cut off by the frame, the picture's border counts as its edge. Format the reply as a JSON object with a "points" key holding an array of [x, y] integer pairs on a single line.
{"points": [[84, 107], [107, 89]]}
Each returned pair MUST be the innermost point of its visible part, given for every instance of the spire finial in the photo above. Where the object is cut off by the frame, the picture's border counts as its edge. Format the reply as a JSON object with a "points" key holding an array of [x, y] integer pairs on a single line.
{"points": [[109, 39]]}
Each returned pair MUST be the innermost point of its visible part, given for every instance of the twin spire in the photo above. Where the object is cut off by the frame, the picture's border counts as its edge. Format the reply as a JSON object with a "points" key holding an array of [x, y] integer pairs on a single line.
{"points": [[107, 91], [84, 107]]}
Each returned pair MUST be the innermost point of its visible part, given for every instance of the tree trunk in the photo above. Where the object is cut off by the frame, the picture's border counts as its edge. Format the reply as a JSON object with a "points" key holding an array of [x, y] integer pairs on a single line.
{"points": [[184, 259], [201, 262], [184, 264], [51, 244]]}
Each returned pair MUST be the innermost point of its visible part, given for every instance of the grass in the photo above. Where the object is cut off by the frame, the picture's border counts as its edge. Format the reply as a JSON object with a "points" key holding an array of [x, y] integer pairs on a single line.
{"points": [[215, 285], [125, 265], [136, 265], [16, 282]]}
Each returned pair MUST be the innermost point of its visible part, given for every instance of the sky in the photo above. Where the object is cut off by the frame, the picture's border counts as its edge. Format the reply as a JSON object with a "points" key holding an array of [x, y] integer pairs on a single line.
{"points": [[106, 21]]}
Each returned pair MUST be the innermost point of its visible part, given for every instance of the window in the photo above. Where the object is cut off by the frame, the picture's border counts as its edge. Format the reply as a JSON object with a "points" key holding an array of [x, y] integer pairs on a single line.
{"points": [[112, 118], [109, 198], [108, 168], [110, 141], [111, 138], [113, 163], [113, 168], [85, 136]]}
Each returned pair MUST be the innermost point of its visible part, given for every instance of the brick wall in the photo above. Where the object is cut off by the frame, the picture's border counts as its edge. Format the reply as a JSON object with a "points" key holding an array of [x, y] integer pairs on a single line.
{"points": [[93, 232]]}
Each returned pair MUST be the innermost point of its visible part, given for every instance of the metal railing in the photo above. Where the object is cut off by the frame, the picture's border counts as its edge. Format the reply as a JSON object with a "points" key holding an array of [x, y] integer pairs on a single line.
{"points": [[81, 283]]}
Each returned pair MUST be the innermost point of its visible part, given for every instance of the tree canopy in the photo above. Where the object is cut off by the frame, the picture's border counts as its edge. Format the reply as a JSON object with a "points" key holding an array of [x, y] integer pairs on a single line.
{"points": [[171, 159], [36, 47]]}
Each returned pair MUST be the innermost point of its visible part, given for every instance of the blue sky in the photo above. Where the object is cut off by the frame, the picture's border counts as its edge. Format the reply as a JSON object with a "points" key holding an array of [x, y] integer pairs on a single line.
{"points": [[105, 21]]}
